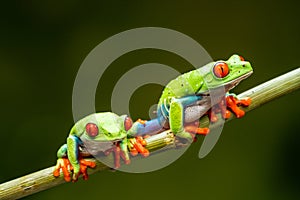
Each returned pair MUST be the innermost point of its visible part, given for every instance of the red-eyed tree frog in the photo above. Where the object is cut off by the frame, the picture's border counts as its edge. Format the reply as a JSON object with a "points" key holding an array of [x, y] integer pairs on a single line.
{"points": [[190, 93], [107, 132], [182, 103]]}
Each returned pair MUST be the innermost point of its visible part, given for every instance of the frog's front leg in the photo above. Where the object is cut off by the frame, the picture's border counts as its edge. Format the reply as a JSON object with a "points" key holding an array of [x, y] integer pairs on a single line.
{"points": [[120, 150], [137, 145], [176, 116], [73, 143], [69, 159], [64, 165]]}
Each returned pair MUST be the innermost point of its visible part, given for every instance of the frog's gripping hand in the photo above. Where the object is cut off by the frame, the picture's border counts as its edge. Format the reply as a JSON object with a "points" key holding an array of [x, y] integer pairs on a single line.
{"points": [[70, 161], [64, 165], [137, 145], [120, 150]]}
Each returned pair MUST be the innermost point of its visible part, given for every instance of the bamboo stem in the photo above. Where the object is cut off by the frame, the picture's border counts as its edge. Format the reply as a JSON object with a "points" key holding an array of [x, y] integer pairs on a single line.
{"points": [[44, 179]]}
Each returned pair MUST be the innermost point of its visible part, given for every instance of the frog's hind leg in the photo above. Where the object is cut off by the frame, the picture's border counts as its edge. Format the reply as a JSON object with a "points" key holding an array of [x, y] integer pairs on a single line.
{"points": [[176, 115], [233, 103], [151, 127]]}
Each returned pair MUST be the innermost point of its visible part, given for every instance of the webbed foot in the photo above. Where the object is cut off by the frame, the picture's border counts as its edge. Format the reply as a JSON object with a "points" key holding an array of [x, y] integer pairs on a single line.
{"points": [[197, 130], [137, 145], [219, 108], [194, 128], [118, 154], [233, 103], [67, 169]]}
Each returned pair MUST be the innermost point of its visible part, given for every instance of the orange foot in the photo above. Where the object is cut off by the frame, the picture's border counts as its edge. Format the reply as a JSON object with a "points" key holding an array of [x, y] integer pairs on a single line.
{"points": [[196, 130], [118, 154], [193, 129], [233, 102], [137, 145], [66, 167], [218, 108], [141, 121]]}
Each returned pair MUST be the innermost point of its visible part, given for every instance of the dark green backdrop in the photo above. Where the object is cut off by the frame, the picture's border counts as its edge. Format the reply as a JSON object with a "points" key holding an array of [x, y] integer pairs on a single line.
{"points": [[42, 45]]}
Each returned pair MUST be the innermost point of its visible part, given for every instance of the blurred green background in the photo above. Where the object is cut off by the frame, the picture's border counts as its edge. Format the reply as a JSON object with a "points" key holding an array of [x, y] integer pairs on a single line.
{"points": [[43, 44]]}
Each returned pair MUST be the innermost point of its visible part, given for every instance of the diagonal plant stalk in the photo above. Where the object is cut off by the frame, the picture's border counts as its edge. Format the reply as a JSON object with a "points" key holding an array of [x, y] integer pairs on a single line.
{"points": [[43, 179]]}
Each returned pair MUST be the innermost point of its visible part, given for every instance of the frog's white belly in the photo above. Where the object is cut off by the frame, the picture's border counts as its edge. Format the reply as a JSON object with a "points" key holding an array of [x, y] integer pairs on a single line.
{"points": [[95, 147]]}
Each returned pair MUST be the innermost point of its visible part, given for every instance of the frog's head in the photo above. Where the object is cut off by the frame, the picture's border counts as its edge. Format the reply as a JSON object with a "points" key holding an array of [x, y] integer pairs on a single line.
{"points": [[227, 73], [109, 128]]}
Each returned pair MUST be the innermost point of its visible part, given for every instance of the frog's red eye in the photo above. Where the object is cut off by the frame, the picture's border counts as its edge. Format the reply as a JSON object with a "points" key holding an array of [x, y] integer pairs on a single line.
{"points": [[241, 58], [221, 69], [92, 129], [128, 123]]}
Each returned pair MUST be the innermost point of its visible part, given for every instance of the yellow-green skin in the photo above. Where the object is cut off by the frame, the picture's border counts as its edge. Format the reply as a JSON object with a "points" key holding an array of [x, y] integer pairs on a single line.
{"points": [[110, 128], [179, 93], [197, 82], [189, 89]]}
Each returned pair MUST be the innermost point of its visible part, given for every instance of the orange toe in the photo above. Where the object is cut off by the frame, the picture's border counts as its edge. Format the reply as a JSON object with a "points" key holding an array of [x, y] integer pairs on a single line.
{"points": [[202, 131], [141, 121]]}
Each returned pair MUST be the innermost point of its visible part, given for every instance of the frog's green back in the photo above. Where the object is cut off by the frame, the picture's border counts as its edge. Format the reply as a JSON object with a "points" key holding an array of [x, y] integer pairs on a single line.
{"points": [[185, 84], [200, 80]]}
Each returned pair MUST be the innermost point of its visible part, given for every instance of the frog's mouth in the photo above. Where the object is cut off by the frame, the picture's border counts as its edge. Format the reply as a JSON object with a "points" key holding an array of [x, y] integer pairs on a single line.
{"points": [[232, 84], [219, 91]]}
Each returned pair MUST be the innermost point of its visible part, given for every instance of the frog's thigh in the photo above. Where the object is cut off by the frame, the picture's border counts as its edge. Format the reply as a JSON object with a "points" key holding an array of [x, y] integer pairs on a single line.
{"points": [[176, 116]]}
